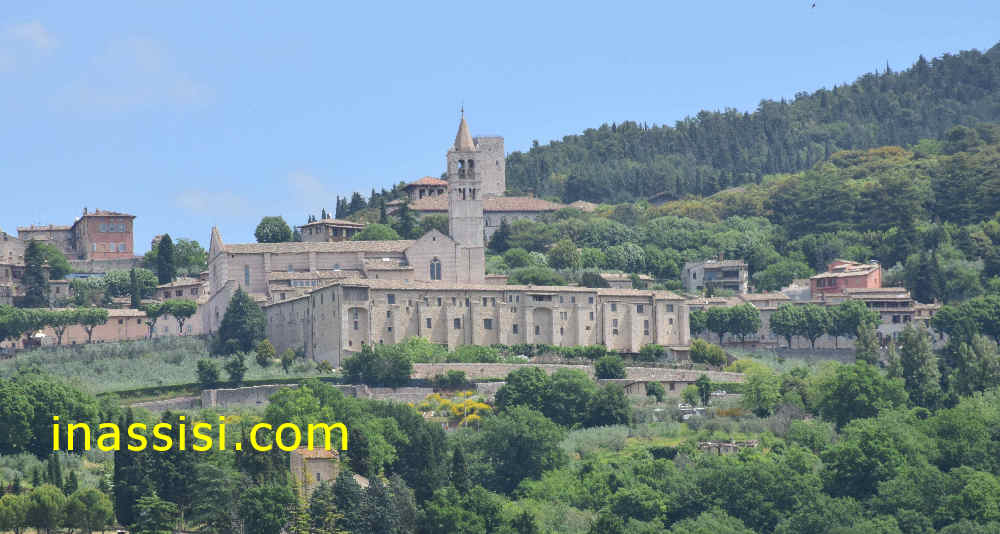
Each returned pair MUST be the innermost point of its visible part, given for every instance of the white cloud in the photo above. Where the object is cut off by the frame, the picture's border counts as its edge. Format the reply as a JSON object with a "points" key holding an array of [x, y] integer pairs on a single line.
{"points": [[24, 42], [221, 203], [133, 75], [32, 34]]}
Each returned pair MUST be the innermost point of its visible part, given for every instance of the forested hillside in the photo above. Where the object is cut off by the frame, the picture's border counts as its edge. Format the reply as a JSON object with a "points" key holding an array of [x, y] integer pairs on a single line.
{"points": [[715, 150]]}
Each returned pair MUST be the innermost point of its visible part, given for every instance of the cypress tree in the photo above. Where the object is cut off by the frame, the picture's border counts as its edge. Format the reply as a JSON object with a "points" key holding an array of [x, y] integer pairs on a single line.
{"points": [[348, 499], [72, 484], [379, 511], [55, 471], [459, 471], [134, 291], [165, 269], [36, 280], [866, 346], [383, 217]]}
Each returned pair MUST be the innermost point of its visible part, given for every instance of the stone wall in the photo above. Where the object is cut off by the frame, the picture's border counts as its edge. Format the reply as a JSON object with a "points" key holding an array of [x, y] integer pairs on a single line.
{"points": [[103, 266], [246, 396], [477, 371], [177, 403]]}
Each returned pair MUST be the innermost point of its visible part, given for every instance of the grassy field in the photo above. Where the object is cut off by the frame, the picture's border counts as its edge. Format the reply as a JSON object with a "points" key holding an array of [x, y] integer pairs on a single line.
{"points": [[109, 367]]}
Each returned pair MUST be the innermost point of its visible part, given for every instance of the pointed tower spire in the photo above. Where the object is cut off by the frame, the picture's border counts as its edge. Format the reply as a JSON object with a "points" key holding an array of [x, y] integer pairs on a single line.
{"points": [[463, 140]]}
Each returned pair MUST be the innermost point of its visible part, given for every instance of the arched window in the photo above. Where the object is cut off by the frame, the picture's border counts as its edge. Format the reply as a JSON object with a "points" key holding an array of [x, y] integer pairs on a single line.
{"points": [[435, 269]]}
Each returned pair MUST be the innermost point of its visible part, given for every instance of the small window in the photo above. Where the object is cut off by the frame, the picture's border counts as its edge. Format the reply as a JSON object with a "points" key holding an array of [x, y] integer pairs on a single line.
{"points": [[514, 329], [121, 321], [670, 308], [614, 323], [538, 330], [355, 325], [590, 300], [485, 302], [895, 318], [388, 314], [246, 274], [428, 322], [458, 323], [391, 298], [561, 331], [439, 301], [454, 301], [517, 299], [614, 331], [670, 320], [560, 299], [467, 302], [614, 307], [572, 300], [639, 308], [591, 316], [493, 301], [426, 301], [488, 324], [645, 327]]}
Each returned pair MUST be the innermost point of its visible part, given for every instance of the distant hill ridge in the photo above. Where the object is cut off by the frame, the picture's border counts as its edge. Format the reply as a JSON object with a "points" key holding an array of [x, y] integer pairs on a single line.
{"points": [[713, 151]]}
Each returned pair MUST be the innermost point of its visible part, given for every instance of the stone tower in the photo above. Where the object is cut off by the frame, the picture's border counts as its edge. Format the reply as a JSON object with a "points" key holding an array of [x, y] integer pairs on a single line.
{"points": [[465, 206]]}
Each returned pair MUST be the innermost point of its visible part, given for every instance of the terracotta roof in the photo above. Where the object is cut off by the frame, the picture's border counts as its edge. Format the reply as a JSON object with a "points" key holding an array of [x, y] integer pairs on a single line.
{"points": [[181, 282], [313, 275], [47, 227], [491, 204], [316, 453], [422, 285], [859, 270], [334, 222], [398, 246], [428, 180]]}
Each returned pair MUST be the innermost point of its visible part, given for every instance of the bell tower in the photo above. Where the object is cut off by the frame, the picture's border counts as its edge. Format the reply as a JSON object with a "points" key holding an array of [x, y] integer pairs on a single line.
{"points": [[465, 206]]}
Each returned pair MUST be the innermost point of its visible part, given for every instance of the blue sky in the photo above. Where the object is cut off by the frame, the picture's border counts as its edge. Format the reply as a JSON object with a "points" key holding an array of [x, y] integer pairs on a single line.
{"points": [[217, 113]]}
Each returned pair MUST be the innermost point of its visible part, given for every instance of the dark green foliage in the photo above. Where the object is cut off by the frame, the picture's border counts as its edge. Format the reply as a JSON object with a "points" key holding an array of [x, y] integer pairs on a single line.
{"points": [[135, 296], [378, 365], [208, 373], [166, 268], [35, 279], [243, 323], [705, 352], [273, 230], [655, 389], [264, 509], [716, 150], [704, 386], [609, 406], [459, 471], [595, 280], [520, 443], [536, 276], [236, 367], [920, 367], [59, 267], [451, 380], [856, 391], [611, 366], [376, 232], [498, 242], [651, 353], [406, 223]]}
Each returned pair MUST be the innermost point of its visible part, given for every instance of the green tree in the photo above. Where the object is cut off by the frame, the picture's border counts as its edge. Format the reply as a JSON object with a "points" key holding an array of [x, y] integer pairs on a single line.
{"points": [[60, 320], [45, 507], [610, 367], [379, 365], [59, 267], [35, 279], [717, 321], [244, 323], [499, 241], [527, 386], [762, 391], [567, 397], [287, 359], [273, 229], [780, 274], [265, 353], [516, 258], [433, 222], [459, 471], [564, 255], [705, 352], [788, 321], [265, 509], [520, 443], [690, 395], [155, 515], [651, 353], [704, 386], [744, 320], [697, 322], [236, 368], [866, 348], [856, 391], [166, 269], [714, 521], [91, 318], [13, 512], [849, 316], [609, 406], [920, 367], [655, 389], [816, 322], [89, 510], [181, 310], [537, 276], [134, 294], [118, 283], [977, 366], [208, 373], [376, 232]]}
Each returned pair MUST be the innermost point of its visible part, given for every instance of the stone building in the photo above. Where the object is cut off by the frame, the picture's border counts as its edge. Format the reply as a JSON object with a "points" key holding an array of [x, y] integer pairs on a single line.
{"points": [[96, 235], [182, 288], [844, 274], [495, 209], [731, 275], [329, 230], [335, 321], [424, 187]]}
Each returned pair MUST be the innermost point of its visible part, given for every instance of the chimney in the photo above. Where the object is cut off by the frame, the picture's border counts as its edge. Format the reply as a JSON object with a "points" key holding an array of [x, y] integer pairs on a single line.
{"points": [[85, 210]]}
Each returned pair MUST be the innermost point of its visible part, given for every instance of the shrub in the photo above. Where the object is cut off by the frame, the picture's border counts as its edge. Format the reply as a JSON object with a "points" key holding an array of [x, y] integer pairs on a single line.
{"points": [[208, 373], [610, 367], [236, 367], [324, 367], [651, 353], [287, 359], [451, 380], [265, 353], [705, 352], [655, 389]]}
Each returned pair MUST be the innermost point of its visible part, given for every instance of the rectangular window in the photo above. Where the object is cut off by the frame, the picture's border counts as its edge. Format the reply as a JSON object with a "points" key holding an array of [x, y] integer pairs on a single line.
{"points": [[488, 324], [426, 301], [388, 314], [428, 322], [454, 301], [246, 275], [645, 327], [639, 308], [104, 227], [493, 302], [514, 328], [538, 330], [614, 323], [120, 321], [121, 247], [670, 308], [590, 300], [895, 318], [561, 331], [560, 299], [591, 316], [355, 315], [572, 300], [517, 299], [670, 320], [458, 323], [179, 292], [614, 332], [355, 325], [485, 302], [467, 302], [391, 298], [614, 307], [439, 301]]}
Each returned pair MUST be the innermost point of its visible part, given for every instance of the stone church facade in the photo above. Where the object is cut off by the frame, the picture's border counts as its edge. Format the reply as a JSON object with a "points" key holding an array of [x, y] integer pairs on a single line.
{"points": [[332, 298]]}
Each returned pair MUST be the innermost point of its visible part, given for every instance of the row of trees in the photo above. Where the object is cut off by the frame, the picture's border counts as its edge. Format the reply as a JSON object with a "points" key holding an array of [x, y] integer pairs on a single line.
{"points": [[47, 508], [741, 320], [16, 322]]}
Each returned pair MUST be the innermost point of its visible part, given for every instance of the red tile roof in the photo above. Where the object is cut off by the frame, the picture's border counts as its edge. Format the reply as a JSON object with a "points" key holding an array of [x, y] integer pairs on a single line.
{"points": [[428, 180]]}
